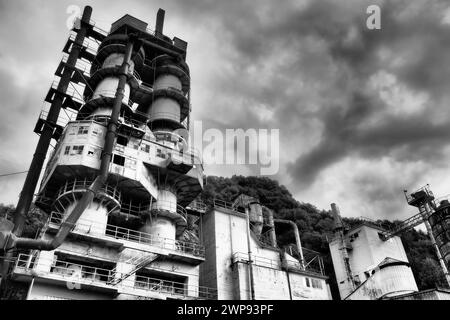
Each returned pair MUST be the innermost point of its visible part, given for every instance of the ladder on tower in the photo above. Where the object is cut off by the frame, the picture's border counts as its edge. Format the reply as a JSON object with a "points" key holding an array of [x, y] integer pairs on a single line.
{"points": [[138, 261]]}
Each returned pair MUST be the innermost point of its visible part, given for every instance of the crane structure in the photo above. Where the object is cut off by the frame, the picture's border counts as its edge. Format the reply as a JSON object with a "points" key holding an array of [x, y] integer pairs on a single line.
{"points": [[434, 213]]}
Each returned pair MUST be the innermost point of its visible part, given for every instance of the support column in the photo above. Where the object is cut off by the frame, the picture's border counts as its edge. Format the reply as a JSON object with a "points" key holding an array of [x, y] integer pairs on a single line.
{"points": [[29, 186]]}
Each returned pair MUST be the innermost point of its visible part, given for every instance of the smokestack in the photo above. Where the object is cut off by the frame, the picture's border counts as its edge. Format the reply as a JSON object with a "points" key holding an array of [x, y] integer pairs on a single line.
{"points": [[159, 22], [338, 225]]}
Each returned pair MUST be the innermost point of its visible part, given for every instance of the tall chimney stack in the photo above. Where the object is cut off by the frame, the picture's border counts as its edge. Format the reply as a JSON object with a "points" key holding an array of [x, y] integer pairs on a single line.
{"points": [[159, 22]]}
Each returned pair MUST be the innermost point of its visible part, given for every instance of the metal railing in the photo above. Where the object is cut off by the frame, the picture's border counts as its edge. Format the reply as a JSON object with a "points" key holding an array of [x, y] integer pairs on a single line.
{"points": [[78, 273], [174, 288], [67, 270], [83, 185], [257, 260], [438, 201], [170, 206], [120, 233], [82, 66], [60, 122], [107, 94], [313, 265], [313, 261], [103, 119], [197, 205], [70, 92], [94, 27], [215, 203], [87, 44], [426, 189]]}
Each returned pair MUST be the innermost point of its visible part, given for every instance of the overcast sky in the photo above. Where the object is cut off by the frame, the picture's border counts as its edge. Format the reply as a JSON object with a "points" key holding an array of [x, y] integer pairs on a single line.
{"points": [[363, 114]]}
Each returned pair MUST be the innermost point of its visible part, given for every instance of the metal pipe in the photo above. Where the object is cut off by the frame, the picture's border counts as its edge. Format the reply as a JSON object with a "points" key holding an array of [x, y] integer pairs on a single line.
{"points": [[29, 186], [250, 261], [30, 288], [289, 284], [100, 180], [272, 234], [297, 238]]}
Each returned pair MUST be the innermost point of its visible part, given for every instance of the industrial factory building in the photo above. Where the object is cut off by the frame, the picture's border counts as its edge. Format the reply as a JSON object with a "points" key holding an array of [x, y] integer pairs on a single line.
{"points": [[120, 187], [366, 266], [121, 190]]}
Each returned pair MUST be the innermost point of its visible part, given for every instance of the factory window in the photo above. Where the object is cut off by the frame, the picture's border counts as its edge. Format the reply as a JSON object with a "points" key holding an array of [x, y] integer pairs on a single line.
{"points": [[307, 282], [78, 149], [83, 130], [66, 150], [119, 160], [93, 152], [160, 154], [72, 130], [122, 140], [129, 163], [316, 283], [145, 147]]}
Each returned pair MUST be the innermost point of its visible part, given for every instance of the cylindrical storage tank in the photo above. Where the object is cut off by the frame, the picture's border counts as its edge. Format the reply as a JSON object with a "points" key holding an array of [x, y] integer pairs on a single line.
{"points": [[102, 112], [167, 81], [107, 88], [167, 200], [93, 220], [440, 226], [162, 224], [161, 227], [116, 60], [165, 109], [256, 217]]}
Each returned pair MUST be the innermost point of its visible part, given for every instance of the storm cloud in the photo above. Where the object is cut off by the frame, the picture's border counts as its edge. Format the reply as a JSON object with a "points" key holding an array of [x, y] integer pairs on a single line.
{"points": [[362, 113]]}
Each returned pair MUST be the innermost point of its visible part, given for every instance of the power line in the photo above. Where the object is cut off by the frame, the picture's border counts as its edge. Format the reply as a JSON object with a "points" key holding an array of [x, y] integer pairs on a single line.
{"points": [[11, 174]]}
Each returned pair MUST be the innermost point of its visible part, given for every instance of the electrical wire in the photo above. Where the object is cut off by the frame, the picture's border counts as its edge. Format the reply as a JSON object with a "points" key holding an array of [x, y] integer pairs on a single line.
{"points": [[13, 173]]}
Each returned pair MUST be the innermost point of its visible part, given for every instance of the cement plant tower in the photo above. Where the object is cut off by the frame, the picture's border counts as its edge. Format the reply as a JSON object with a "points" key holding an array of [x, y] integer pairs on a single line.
{"points": [[117, 184]]}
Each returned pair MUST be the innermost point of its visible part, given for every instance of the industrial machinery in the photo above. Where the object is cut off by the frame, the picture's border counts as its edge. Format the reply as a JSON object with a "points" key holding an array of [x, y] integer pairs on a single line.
{"points": [[117, 184]]}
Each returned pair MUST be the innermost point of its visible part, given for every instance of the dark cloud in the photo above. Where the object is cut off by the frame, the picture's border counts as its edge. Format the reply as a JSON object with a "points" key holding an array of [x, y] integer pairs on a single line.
{"points": [[308, 64]]}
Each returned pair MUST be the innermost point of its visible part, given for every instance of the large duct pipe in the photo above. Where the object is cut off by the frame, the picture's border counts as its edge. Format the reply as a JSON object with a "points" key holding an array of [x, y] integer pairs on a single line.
{"points": [[29, 186], [270, 223], [297, 237], [100, 180]]}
